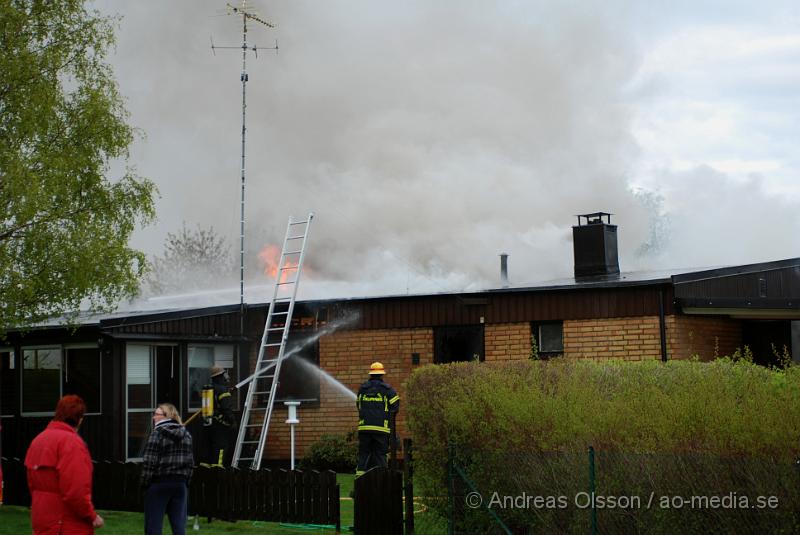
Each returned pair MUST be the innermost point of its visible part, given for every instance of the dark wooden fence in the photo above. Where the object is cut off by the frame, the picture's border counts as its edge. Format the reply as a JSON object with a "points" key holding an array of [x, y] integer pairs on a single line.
{"points": [[296, 496], [379, 502]]}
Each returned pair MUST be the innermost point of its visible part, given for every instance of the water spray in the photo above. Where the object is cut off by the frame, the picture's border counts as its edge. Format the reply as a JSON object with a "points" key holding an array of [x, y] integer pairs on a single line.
{"points": [[326, 330]]}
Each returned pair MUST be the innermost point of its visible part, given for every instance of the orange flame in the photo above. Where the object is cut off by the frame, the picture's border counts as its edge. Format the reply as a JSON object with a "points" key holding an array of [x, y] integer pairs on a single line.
{"points": [[271, 256]]}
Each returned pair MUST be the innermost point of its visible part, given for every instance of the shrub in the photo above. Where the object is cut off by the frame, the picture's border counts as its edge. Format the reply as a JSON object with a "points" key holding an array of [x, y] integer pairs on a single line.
{"points": [[332, 452], [526, 425]]}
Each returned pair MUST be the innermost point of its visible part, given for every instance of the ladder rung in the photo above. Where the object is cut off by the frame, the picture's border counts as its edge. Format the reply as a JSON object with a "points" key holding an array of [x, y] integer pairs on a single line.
{"points": [[285, 283], [272, 345], [289, 268], [249, 441], [276, 328], [279, 313], [253, 425], [295, 237], [246, 458], [291, 252], [298, 222]]}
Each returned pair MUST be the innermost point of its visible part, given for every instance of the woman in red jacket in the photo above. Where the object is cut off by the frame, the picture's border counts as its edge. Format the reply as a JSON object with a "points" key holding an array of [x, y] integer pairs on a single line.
{"points": [[60, 475]]}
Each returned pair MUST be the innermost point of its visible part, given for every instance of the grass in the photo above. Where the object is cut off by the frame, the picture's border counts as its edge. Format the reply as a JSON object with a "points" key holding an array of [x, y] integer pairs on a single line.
{"points": [[15, 520]]}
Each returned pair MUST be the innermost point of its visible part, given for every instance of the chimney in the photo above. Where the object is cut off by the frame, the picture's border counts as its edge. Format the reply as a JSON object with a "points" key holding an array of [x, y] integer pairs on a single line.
{"points": [[594, 244], [504, 270]]}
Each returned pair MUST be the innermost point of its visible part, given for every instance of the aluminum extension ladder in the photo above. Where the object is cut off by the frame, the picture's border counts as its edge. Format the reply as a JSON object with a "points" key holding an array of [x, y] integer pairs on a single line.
{"points": [[256, 415]]}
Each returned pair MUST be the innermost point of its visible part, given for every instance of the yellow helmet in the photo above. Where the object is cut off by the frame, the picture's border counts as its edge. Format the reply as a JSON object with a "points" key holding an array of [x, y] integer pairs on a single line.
{"points": [[376, 369]]}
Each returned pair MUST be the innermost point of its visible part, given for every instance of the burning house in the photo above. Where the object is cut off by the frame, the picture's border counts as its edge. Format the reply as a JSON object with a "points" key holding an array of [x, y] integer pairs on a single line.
{"points": [[124, 364]]}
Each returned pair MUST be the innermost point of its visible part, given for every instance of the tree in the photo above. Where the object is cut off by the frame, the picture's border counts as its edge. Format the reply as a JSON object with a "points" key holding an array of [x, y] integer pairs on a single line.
{"points": [[64, 224], [193, 260]]}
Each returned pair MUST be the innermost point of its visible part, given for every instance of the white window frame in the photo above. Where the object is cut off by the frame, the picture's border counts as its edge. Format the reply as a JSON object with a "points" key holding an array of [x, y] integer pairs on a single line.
{"points": [[21, 382], [153, 380]]}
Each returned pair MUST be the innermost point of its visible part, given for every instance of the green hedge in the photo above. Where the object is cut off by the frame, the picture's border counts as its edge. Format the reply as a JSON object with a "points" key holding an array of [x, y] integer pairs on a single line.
{"points": [[680, 427], [565, 405]]}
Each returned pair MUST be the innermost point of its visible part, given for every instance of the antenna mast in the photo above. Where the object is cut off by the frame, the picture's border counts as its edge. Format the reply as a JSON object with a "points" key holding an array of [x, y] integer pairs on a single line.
{"points": [[246, 15]]}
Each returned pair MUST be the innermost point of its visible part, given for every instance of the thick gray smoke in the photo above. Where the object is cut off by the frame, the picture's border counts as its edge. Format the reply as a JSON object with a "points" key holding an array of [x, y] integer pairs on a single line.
{"points": [[427, 136]]}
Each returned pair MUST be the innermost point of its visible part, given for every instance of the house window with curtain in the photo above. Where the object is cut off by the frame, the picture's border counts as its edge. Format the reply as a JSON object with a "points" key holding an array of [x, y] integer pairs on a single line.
{"points": [[152, 373]]}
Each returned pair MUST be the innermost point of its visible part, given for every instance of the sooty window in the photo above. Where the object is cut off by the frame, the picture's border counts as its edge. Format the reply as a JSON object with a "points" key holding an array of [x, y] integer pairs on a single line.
{"points": [[462, 343], [549, 338]]}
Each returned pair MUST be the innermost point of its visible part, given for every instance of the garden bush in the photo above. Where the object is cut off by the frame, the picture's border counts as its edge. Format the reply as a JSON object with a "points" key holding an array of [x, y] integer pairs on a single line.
{"points": [[676, 427], [332, 452]]}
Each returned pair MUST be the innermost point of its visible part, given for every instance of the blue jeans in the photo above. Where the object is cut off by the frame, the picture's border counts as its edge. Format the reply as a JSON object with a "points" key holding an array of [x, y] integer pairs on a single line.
{"points": [[168, 497]]}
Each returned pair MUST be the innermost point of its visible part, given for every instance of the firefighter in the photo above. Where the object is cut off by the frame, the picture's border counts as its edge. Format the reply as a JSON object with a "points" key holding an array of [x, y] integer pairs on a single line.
{"points": [[223, 423], [377, 404]]}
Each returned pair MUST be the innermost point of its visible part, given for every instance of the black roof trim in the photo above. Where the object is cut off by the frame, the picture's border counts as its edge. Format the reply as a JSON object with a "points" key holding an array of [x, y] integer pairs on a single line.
{"points": [[587, 283], [735, 270], [737, 302], [180, 314], [176, 337]]}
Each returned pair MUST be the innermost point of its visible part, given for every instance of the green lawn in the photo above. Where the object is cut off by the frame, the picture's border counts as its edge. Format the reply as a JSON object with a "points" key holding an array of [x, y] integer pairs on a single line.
{"points": [[16, 520]]}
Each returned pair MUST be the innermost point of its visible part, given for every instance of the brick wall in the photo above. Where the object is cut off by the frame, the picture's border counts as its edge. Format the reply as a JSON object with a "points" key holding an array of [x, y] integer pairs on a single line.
{"points": [[346, 356], [507, 341], [634, 338], [703, 336]]}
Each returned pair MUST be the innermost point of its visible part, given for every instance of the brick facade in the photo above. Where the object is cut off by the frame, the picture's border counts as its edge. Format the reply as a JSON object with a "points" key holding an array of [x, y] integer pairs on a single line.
{"points": [[635, 338], [706, 337], [507, 341]]}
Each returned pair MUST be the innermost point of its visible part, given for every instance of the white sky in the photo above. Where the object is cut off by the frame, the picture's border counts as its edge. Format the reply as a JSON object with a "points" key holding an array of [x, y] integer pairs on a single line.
{"points": [[430, 136]]}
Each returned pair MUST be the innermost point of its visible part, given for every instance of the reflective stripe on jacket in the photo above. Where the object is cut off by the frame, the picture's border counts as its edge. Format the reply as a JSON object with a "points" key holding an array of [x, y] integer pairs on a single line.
{"points": [[223, 406], [376, 401]]}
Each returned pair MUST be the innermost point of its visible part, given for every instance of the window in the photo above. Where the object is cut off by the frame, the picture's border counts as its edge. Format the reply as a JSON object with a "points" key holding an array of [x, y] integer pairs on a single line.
{"points": [[82, 375], [41, 379], [549, 338], [457, 344], [300, 375], [152, 375], [8, 382], [139, 384], [201, 359]]}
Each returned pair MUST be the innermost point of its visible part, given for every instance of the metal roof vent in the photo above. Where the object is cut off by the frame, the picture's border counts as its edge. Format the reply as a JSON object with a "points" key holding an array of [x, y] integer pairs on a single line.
{"points": [[504, 270], [594, 243]]}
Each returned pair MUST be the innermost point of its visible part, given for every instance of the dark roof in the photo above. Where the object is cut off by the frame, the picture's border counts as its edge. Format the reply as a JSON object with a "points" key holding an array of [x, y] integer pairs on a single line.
{"points": [[677, 277]]}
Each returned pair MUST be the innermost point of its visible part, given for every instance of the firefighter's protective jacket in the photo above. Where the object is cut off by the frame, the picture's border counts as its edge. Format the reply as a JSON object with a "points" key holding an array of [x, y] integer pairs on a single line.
{"points": [[223, 405], [376, 402]]}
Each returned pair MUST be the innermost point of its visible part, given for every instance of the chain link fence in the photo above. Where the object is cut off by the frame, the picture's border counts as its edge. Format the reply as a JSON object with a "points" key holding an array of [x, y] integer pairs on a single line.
{"points": [[523, 492]]}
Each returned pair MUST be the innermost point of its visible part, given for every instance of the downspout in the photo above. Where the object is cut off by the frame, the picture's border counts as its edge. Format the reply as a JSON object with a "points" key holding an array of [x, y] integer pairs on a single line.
{"points": [[662, 324]]}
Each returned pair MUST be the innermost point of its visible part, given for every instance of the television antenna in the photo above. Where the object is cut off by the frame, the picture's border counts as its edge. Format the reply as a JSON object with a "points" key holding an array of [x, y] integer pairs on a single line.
{"points": [[247, 15]]}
